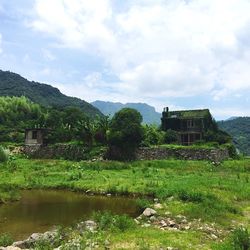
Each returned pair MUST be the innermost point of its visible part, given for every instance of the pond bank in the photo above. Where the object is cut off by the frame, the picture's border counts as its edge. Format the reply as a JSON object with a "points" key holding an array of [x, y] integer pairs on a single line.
{"points": [[40, 210]]}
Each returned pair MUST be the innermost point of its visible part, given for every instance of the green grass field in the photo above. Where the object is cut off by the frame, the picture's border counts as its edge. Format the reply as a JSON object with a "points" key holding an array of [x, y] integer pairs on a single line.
{"points": [[217, 195]]}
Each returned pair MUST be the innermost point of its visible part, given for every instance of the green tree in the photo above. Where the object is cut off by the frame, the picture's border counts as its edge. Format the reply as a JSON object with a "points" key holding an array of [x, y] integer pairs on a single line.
{"points": [[125, 134]]}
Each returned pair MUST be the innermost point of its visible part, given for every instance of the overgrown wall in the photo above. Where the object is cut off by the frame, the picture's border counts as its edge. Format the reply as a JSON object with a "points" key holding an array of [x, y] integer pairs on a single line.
{"points": [[160, 153], [76, 152], [58, 151]]}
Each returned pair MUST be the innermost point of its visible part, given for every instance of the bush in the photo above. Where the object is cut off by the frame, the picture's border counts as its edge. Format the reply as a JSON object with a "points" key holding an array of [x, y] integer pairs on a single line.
{"points": [[5, 240], [241, 239], [142, 204], [108, 221], [152, 136], [232, 151], [125, 135], [4, 155], [171, 136], [123, 222]]}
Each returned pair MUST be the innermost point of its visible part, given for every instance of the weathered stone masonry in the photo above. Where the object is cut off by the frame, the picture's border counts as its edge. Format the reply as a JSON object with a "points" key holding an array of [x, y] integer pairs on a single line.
{"points": [[159, 153]]}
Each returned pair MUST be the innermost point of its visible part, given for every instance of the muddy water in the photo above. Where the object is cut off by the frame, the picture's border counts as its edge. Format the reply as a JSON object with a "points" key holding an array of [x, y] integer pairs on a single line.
{"points": [[39, 210]]}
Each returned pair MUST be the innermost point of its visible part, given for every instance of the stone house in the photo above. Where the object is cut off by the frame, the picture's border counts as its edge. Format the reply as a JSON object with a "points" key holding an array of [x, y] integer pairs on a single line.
{"points": [[35, 136], [190, 125]]}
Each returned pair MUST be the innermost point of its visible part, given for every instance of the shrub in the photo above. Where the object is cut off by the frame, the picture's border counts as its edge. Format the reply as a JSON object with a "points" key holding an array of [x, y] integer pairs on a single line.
{"points": [[191, 196], [241, 239], [105, 220], [5, 240], [108, 221], [4, 155], [123, 222], [125, 135], [142, 204], [171, 136], [232, 151]]}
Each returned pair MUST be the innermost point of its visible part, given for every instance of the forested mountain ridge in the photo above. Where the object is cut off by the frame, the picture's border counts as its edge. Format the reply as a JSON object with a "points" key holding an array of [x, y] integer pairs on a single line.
{"points": [[150, 116], [239, 129], [12, 84]]}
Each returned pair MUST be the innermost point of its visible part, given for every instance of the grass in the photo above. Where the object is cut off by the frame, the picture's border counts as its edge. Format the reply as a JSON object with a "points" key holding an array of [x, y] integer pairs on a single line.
{"points": [[197, 189]]}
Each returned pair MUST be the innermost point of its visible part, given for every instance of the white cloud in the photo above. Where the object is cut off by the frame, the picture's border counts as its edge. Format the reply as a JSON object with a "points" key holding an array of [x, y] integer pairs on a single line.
{"points": [[168, 48]]}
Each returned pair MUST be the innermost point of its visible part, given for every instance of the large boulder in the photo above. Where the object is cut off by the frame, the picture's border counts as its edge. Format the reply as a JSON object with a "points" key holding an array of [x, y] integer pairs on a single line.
{"points": [[148, 212]]}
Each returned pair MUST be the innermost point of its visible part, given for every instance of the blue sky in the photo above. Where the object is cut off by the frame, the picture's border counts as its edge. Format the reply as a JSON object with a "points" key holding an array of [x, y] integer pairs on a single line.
{"points": [[176, 53]]}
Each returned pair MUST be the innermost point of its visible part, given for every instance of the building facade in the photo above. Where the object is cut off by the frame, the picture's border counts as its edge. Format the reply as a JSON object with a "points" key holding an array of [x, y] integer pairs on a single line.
{"points": [[190, 125], [35, 136]]}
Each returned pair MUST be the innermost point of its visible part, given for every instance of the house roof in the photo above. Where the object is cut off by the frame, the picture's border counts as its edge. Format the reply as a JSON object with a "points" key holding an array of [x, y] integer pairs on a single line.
{"points": [[197, 113]]}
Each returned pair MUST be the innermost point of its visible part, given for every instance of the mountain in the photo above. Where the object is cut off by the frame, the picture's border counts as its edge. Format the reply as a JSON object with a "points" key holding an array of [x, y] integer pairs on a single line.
{"points": [[150, 116], [12, 84], [239, 129]]}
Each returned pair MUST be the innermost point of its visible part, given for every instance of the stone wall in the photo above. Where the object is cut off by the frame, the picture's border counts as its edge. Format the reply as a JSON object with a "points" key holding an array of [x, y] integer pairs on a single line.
{"points": [[76, 152], [58, 151], [160, 153]]}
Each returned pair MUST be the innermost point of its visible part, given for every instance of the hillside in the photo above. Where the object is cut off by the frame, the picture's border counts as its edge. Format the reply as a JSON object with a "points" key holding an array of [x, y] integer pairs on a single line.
{"points": [[12, 84], [150, 116], [239, 128]]}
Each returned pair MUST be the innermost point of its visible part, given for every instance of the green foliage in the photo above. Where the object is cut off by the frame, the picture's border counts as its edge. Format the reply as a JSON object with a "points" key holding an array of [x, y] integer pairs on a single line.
{"points": [[4, 155], [231, 150], [12, 84], [108, 221], [239, 129], [217, 136], [16, 114], [125, 134], [5, 240], [241, 239], [171, 136], [143, 204], [152, 135]]}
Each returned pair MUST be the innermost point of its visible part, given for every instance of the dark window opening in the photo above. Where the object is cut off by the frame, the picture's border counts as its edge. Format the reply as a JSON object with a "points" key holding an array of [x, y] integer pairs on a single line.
{"points": [[34, 135], [190, 123]]}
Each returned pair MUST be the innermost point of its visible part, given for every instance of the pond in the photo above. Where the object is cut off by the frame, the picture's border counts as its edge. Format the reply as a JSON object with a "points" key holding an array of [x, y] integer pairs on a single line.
{"points": [[40, 210]]}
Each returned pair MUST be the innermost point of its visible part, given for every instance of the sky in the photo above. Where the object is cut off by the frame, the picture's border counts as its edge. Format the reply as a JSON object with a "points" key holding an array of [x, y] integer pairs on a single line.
{"points": [[184, 54]]}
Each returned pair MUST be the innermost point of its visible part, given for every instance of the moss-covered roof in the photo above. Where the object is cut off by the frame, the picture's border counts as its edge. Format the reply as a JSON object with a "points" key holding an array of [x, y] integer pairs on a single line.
{"points": [[198, 113]]}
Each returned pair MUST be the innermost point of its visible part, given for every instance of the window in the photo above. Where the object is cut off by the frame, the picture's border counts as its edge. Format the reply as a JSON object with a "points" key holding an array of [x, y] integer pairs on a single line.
{"points": [[190, 123], [34, 135]]}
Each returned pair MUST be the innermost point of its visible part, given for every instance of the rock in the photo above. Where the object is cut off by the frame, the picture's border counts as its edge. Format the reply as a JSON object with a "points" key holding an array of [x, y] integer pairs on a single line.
{"points": [[152, 218], [146, 225], [149, 212], [156, 199], [214, 237], [158, 206], [139, 217], [10, 248], [171, 223], [170, 198], [163, 223], [167, 213], [49, 236], [90, 225], [136, 221], [108, 195]]}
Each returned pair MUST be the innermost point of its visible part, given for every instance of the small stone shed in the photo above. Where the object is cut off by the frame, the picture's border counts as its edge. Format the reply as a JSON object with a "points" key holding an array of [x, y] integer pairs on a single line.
{"points": [[35, 136]]}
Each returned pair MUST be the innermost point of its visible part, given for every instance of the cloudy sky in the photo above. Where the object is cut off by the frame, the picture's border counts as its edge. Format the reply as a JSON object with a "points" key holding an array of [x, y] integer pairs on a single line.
{"points": [[176, 53]]}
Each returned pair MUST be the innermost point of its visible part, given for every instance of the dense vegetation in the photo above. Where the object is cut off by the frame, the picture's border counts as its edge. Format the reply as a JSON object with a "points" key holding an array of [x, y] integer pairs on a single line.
{"points": [[68, 124], [125, 134], [211, 197], [239, 128], [12, 84], [149, 115]]}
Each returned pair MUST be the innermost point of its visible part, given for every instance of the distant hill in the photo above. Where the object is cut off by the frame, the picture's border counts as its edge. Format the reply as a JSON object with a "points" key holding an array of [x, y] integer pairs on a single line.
{"points": [[239, 128], [150, 116], [12, 84]]}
